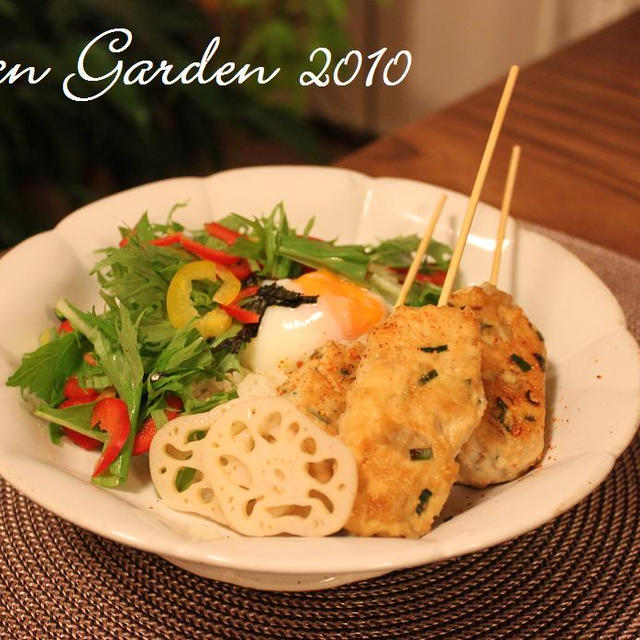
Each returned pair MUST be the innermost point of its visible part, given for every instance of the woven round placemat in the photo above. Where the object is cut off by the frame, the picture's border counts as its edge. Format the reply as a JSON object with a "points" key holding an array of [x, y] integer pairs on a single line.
{"points": [[577, 576]]}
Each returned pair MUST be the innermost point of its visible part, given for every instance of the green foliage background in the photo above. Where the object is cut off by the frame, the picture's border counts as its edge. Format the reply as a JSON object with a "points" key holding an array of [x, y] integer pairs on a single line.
{"points": [[56, 155]]}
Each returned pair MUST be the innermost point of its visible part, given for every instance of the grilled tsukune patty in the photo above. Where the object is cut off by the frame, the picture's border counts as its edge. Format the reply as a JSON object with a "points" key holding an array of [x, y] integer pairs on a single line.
{"points": [[416, 399], [510, 437]]}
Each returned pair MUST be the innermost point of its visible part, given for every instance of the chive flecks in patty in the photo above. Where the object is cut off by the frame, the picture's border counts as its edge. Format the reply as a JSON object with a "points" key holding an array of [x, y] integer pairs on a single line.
{"points": [[541, 361], [421, 454], [501, 412], [423, 500], [439, 349], [521, 362], [533, 401], [427, 377]]}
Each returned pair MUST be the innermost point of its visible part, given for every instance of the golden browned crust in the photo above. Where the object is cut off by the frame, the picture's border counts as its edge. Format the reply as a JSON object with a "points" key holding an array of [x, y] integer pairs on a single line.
{"points": [[318, 387], [510, 437]]}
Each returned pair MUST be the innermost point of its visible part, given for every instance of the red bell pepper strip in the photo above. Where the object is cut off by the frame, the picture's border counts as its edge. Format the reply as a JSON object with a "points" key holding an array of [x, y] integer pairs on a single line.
{"points": [[90, 359], [78, 438], [124, 241], [241, 315], [174, 402], [90, 444], [240, 270], [73, 391], [148, 429], [147, 432], [64, 327], [165, 241], [111, 415], [196, 248], [221, 232], [247, 292], [144, 437], [207, 253], [435, 277]]}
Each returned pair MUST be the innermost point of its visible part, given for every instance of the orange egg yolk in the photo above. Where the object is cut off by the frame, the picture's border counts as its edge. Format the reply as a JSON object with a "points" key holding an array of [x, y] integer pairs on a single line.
{"points": [[354, 307]]}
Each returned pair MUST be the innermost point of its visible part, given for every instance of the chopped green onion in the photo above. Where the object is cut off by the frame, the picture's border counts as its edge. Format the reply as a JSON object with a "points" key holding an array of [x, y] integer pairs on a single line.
{"points": [[534, 402], [427, 377], [521, 362], [502, 411], [541, 361], [425, 494], [421, 454], [438, 349]]}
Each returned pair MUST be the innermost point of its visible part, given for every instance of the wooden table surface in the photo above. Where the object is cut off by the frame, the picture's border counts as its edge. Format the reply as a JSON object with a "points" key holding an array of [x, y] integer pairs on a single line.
{"points": [[576, 115]]}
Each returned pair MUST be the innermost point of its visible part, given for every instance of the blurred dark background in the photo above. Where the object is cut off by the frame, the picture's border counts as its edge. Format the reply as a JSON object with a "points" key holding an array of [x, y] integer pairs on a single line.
{"points": [[56, 154]]}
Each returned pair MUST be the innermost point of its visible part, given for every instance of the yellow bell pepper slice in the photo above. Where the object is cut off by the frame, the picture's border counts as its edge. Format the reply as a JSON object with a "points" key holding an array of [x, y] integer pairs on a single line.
{"points": [[230, 288], [179, 307], [214, 323]]}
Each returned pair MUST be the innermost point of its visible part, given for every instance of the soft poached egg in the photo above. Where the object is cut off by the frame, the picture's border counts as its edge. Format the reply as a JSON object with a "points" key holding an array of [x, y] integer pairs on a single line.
{"points": [[344, 311]]}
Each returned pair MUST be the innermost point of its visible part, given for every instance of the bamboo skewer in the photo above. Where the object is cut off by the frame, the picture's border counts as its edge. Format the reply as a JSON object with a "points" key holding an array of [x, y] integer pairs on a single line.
{"points": [[504, 213], [422, 249], [478, 184]]}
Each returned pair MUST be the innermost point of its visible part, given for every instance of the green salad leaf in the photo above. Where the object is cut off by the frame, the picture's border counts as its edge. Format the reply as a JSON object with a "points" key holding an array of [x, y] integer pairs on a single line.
{"points": [[115, 344], [45, 370], [138, 276], [271, 242], [145, 230], [77, 417], [398, 253], [422, 294], [186, 354]]}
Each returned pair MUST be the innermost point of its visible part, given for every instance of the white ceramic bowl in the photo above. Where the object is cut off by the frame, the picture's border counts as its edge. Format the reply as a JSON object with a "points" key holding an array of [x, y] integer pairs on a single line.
{"points": [[593, 375]]}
